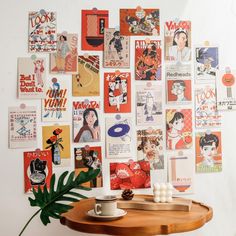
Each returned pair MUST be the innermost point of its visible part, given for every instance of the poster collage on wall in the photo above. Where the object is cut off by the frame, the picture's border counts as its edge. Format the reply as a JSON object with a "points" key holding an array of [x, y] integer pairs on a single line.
{"points": [[137, 143]]}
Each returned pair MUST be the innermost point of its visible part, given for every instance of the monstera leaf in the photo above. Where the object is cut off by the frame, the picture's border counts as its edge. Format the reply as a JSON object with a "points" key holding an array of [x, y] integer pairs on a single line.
{"points": [[52, 201]]}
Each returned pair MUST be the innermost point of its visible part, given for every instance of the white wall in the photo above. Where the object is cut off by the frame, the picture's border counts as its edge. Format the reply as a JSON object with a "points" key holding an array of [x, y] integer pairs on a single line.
{"points": [[212, 20]]}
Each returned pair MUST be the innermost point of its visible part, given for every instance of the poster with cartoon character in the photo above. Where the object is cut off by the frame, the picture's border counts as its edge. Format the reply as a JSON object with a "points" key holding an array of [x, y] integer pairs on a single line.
{"points": [[117, 92]]}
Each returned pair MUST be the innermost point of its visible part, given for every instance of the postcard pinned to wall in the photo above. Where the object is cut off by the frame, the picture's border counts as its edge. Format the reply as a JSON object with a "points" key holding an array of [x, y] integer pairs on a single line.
{"points": [[118, 137], [208, 151], [86, 82], [22, 127], [147, 59], [42, 31], [89, 158], [37, 169]]}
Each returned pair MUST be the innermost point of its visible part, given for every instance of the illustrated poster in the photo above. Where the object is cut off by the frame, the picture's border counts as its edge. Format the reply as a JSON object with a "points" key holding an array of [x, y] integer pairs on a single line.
{"points": [[86, 82]]}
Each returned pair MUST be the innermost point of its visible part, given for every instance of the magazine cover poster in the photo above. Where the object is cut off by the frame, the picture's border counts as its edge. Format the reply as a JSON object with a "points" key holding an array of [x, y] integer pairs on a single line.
{"points": [[138, 22], [66, 57], [116, 49], [55, 105], [37, 169], [149, 105], [147, 59], [178, 129], [56, 138], [206, 114], [31, 78], [86, 81], [206, 63], [42, 32], [130, 175], [177, 41], [93, 24], [208, 152], [226, 90], [118, 137], [86, 121], [181, 171], [117, 92], [150, 147], [22, 127], [89, 158]]}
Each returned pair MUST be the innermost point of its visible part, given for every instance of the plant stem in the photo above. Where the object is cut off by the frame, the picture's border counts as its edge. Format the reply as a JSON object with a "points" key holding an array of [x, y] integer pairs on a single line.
{"points": [[29, 221]]}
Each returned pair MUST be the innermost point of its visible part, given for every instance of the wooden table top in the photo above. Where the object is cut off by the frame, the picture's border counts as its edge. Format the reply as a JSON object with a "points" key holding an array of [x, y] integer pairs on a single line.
{"points": [[137, 222]]}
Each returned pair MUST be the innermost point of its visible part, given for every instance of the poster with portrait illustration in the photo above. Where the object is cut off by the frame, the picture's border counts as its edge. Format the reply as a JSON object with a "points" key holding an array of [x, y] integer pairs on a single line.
{"points": [[139, 22], [181, 171], [42, 31], [66, 57], [148, 104], [55, 106], [89, 158], [226, 90], [31, 78], [206, 114], [206, 62], [178, 129], [86, 81], [150, 147], [118, 137], [177, 41], [130, 175], [147, 59], [116, 49], [22, 127], [117, 92], [208, 151], [86, 122], [37, 169], [56, 138], [93, 24]]}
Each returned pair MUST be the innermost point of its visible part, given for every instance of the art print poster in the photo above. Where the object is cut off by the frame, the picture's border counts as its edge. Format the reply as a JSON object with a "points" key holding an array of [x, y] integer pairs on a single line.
{"points": [[118, 137], [117, 92], [226, 90], [116, 49], [56, 138], [181, 171], [208, 151], [149, 105], [93, 24], [206, 113], [22, 127], [37, 169], [31, 78], [42, 32], [150, 147], [206, 63], [66, 57], [55, 105], [86, 121], [130, 175], [179, 129], [177, 41], [147, 59], [89, 158], [86, 82], [139, 22]]}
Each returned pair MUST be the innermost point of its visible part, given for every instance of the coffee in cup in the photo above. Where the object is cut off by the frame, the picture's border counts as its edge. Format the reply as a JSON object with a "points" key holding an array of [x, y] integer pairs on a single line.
{"points": [[106, 205]]}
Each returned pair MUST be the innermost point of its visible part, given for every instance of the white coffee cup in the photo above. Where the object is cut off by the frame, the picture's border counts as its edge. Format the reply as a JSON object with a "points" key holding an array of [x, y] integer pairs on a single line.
{"points": [[106, 205]]}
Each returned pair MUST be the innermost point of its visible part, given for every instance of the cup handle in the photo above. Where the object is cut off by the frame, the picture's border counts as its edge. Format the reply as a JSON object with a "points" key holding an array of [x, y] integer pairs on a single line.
{"points": [[98, 209]]}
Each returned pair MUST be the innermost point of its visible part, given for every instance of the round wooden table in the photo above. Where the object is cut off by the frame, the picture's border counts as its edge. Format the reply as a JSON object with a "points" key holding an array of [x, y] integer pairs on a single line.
{"points": [[137, 222]]}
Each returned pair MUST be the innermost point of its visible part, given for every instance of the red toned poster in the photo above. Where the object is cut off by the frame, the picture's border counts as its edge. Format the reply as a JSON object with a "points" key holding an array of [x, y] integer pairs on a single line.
{"points": [[37, 169], [93, 24], [117, 92]]}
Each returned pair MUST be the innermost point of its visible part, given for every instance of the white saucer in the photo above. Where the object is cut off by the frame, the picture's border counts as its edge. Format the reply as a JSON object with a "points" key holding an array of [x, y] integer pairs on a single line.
{"points": [[120, 213]]}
